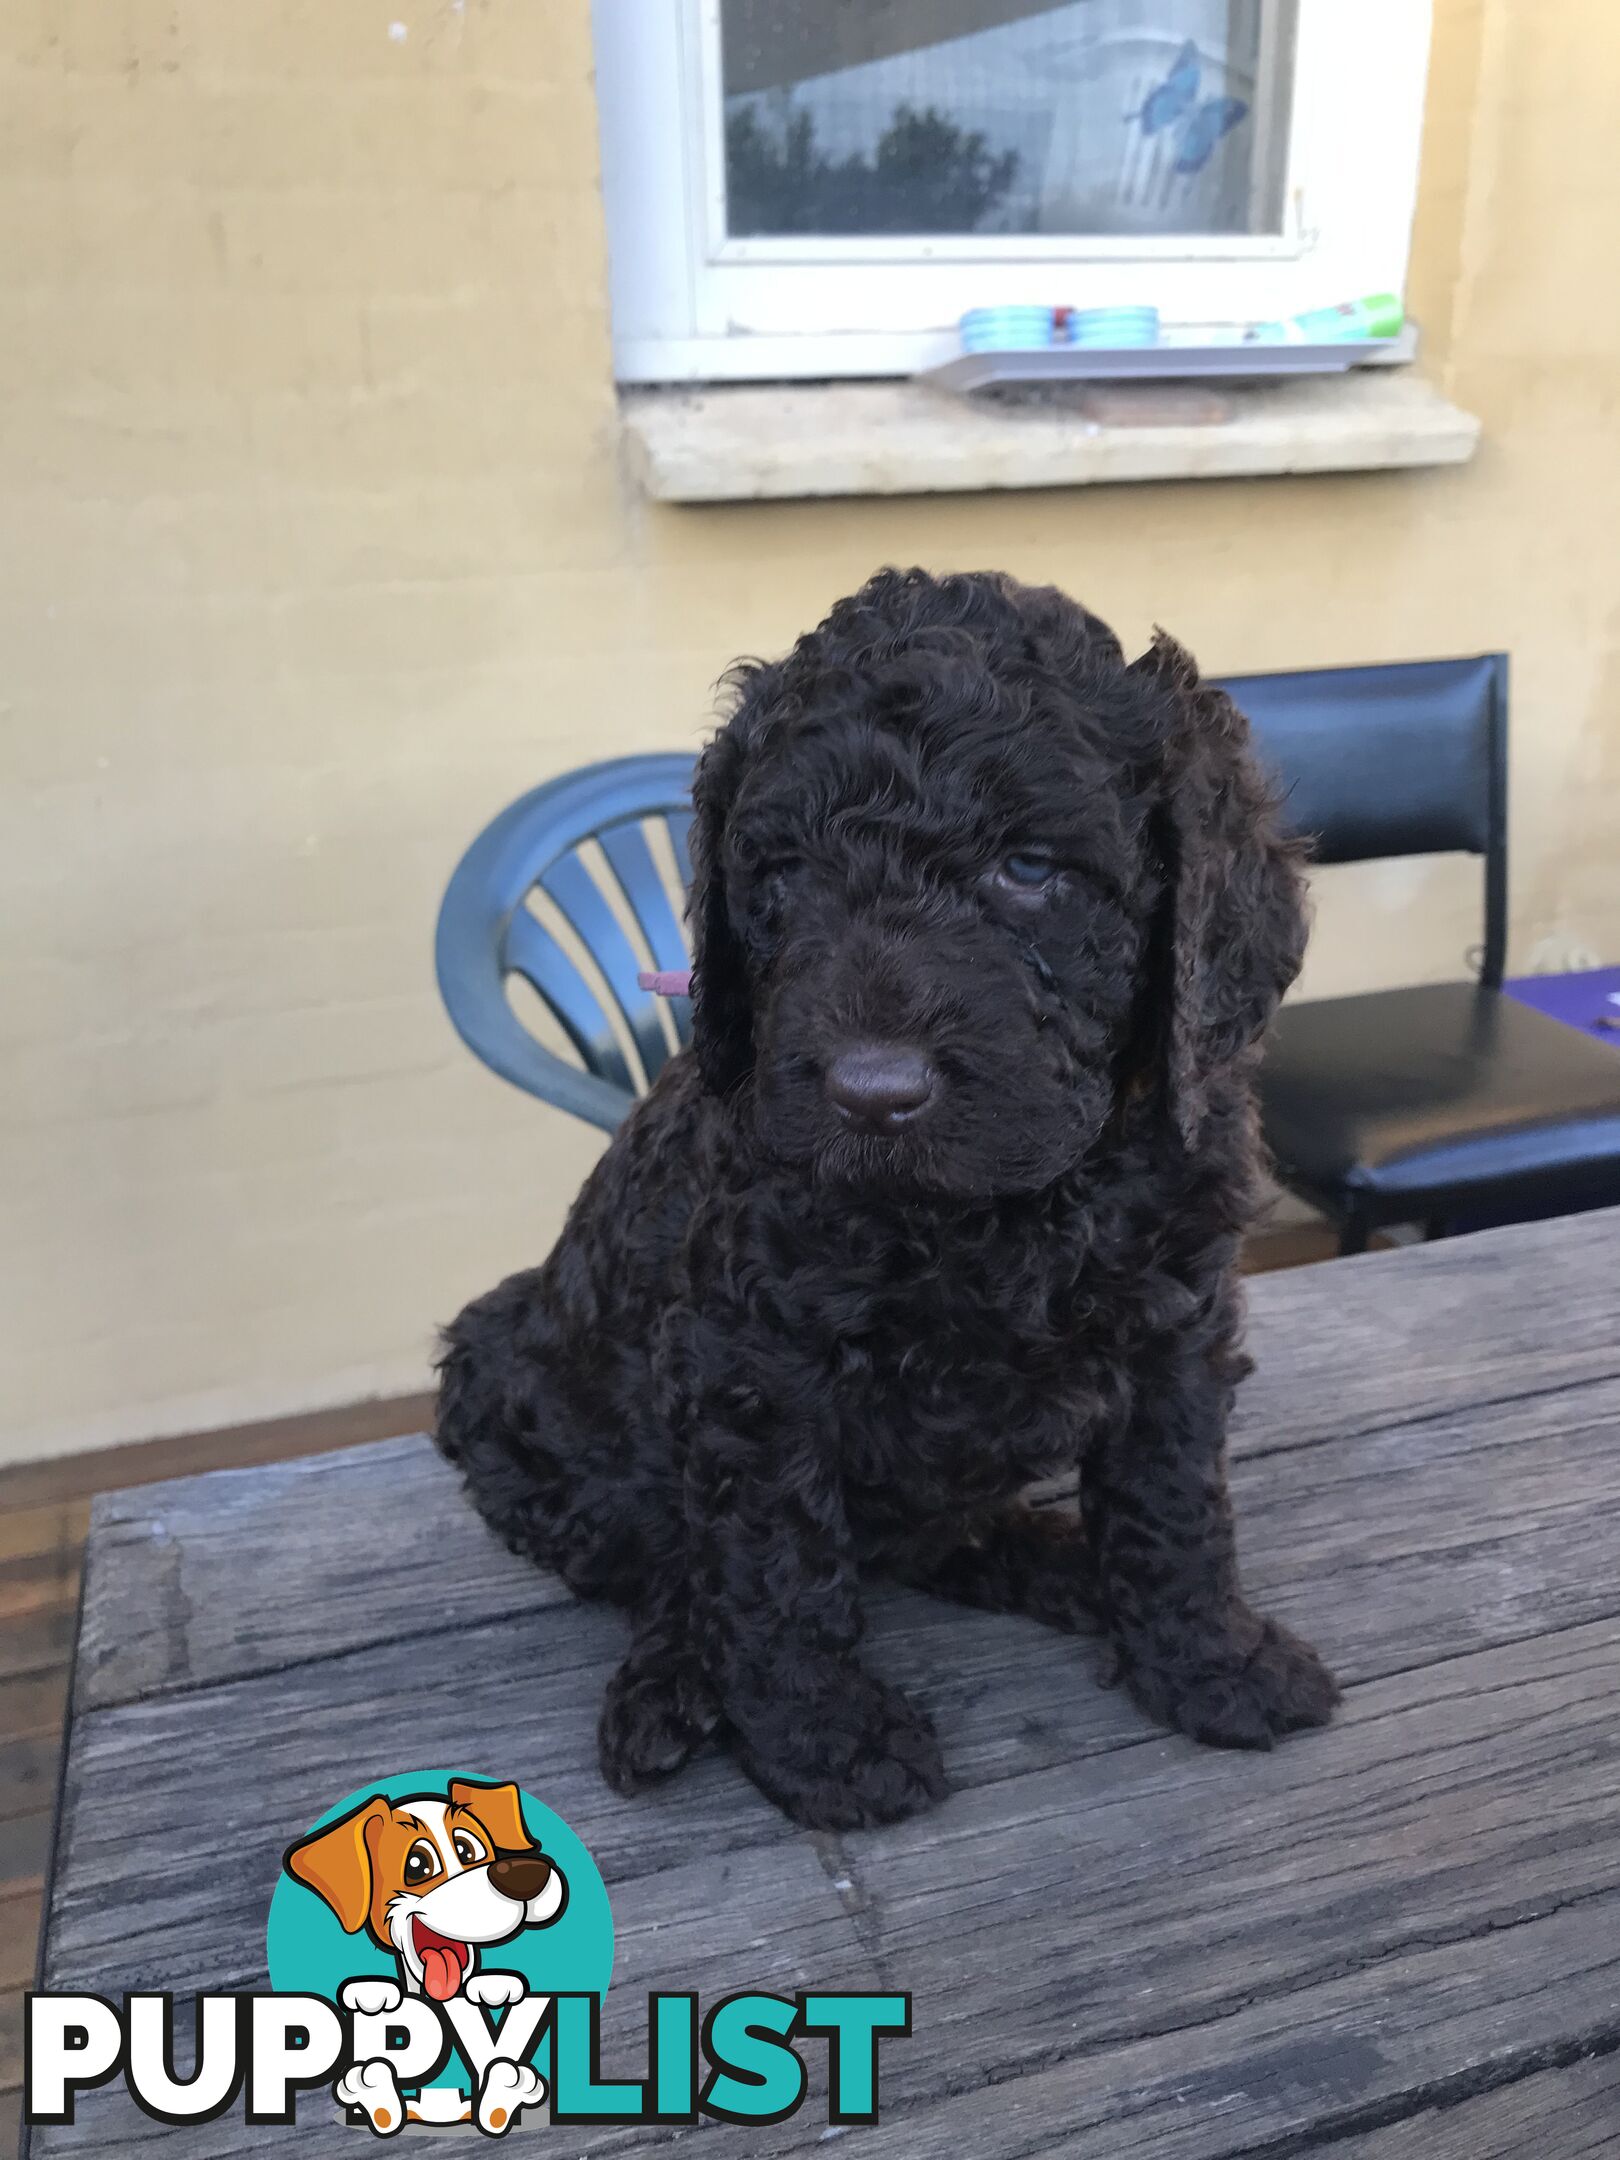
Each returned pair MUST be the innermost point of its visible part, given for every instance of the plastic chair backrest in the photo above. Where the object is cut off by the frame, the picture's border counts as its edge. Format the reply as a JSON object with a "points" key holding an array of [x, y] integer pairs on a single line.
{"points": [[488, 931]]}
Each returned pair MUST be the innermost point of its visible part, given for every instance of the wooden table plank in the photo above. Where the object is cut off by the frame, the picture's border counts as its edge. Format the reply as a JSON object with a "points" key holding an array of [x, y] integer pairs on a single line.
{"points": [[1145, 1948], [1571, 2112], [1403, 1339], [24, 1852], [1434, 2026], [34, 1702], [28, 1769], [1392, 1551], [168, 1603], [1284, 2076], [173, 1848], [1456, 1800], [770, 1919], [39, 1604], [1407, 1557], [19, 1937], [1464, 1558], [1394, 1337], [59, 1526]]}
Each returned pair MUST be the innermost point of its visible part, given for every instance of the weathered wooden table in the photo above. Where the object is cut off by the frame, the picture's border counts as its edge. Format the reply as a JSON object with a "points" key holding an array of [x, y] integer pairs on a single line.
{"points": [[1400, 1937]]}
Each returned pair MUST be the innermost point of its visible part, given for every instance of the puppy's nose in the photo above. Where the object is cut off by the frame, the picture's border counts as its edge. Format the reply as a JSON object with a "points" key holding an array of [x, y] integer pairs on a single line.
{"points": [[520, 1875], [879, 1085]]}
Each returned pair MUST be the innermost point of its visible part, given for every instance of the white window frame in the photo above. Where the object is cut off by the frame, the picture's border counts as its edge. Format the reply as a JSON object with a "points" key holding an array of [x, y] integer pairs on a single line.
{"points": [[691, 304]]}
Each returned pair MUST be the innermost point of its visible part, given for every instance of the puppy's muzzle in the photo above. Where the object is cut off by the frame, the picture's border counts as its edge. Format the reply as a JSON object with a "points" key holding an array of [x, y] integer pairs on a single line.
{"points": [[878, 1087], [520, 1876]]}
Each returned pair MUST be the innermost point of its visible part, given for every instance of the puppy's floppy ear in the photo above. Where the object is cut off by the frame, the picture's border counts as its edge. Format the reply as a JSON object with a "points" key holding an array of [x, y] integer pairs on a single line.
{"points": [[499, 1808], [1236, 926], [722, 1008], [336, 1863]]}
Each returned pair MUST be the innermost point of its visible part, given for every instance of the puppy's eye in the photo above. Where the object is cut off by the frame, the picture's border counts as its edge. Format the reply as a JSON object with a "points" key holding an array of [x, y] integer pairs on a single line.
{"points": [[468, 1850], [779, 876], [421, 1862], [775, 885], [1026, 873]]}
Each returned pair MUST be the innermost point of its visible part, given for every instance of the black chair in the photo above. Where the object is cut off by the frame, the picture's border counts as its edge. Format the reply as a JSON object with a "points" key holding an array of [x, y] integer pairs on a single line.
{"points": [[1447, 1103]]}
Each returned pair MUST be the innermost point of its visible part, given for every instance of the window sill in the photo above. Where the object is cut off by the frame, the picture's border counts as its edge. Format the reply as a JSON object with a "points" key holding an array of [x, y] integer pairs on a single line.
{"points": [[755, 442]]}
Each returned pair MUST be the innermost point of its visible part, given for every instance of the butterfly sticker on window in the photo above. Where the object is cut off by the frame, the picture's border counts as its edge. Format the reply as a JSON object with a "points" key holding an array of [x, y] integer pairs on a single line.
{"points": [[1199, 123]]}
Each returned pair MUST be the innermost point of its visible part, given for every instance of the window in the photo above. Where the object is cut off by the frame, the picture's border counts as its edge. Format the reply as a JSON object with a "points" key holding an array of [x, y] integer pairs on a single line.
{"points": [[821, 187]]}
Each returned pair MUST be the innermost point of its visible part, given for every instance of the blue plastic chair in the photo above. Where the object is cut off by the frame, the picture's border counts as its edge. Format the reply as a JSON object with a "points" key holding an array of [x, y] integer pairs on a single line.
{"points": [[488, 933]]}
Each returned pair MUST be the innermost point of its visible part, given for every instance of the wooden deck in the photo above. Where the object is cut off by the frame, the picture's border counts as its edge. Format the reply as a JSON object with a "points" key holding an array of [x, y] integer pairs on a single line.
{"points": [[1399, 1938]]}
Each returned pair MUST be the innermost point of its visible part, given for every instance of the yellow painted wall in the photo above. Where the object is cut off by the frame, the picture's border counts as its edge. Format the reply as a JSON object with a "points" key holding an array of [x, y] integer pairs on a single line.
{"points": [[315, 549]]}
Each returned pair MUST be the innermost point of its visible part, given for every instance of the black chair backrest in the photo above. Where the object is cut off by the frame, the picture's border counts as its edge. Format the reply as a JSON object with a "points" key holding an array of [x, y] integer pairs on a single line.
{"points": [[1407, 759]]}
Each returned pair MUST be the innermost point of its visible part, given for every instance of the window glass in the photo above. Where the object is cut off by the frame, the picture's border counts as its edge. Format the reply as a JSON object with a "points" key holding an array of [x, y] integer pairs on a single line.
{"points": [[1088, 117]]}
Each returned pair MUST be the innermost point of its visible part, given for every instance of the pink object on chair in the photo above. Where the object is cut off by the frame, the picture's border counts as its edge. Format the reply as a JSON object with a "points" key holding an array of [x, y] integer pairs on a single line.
{"points": [[667, 982]]}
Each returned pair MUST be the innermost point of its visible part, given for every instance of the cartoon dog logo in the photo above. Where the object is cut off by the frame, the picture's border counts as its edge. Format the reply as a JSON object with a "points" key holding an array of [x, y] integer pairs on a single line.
{"points": [[435, 1879]]}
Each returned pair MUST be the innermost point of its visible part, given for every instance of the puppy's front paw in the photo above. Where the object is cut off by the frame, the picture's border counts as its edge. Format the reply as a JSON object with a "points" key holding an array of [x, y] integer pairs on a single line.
{"points": [[1243, 1682], [372, 1998], [493, 1990], [656, 1714], [866, 1755]]}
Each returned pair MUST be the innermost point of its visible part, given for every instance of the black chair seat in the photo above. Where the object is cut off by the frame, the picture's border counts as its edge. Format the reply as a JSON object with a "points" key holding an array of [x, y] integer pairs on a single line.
{"points": [[1409, 1104]]}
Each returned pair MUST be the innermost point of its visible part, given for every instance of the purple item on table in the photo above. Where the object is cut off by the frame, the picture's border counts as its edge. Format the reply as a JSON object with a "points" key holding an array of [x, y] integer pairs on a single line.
{"points": [[1583, 1000]]}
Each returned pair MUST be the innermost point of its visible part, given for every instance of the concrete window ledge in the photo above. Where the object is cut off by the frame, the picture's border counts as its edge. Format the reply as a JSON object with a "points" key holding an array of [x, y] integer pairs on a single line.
{"points": [[751, 442]]}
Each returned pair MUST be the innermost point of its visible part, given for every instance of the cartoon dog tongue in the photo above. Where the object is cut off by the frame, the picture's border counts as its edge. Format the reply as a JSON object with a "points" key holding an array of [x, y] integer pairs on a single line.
{"points": [[443, 1962]]}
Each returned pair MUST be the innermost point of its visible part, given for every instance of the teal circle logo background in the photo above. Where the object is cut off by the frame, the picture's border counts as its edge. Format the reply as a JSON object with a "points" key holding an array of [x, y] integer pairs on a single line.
{"points": [[309, 1954]]}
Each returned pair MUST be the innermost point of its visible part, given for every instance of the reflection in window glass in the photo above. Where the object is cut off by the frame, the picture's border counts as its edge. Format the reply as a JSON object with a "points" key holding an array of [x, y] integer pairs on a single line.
{"points": [[1005, 116]]}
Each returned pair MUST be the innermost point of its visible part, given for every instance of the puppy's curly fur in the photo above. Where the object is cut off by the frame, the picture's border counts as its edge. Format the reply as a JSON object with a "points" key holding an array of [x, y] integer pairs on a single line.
{"points": [[772, 1346]]}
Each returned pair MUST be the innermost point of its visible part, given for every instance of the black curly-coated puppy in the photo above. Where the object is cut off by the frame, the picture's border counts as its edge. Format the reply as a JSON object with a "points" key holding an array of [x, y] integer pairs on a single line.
{"points": [[945, 1199]]}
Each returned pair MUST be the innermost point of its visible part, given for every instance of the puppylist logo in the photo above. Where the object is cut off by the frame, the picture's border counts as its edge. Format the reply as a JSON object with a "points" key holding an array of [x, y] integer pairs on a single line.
{"points": [[439, 1946]]}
